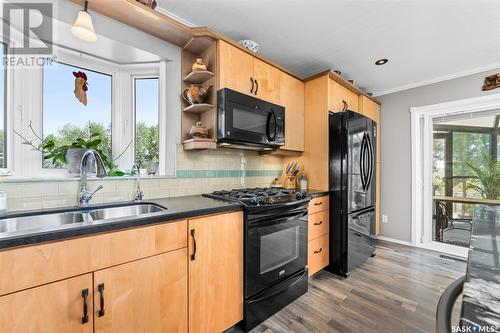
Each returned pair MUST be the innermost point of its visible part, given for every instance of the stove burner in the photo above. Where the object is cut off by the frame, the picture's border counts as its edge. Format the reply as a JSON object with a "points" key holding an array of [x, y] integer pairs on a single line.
{"points": [[260, 196]]}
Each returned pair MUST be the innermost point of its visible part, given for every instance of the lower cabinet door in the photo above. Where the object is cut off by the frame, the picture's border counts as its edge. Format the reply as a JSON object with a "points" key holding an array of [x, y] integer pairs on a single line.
{"points": [[318, 254], [63, 306], [147, 295], [215, 272]]}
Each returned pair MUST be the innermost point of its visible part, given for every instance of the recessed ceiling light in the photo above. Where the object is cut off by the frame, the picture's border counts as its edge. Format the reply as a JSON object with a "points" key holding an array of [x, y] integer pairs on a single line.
{"points": [[381, 62]]}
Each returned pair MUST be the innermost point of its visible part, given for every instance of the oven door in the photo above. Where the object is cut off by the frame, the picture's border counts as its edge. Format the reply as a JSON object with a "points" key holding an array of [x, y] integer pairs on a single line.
{"points": [[248, 120], [276, 247]]}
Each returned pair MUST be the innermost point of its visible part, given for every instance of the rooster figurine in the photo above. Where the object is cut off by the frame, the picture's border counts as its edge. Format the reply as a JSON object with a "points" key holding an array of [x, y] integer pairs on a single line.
{"points": [[81, 87]]}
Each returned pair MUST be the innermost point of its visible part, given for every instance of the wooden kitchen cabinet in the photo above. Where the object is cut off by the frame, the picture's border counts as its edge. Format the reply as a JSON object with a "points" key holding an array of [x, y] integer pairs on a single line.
{"points": [[292, 98], [236, 69], [240, 71], [147, 295], [267, 78], [54, 307], [337, 93], [318, 234], [215, 272], [318, 254]]}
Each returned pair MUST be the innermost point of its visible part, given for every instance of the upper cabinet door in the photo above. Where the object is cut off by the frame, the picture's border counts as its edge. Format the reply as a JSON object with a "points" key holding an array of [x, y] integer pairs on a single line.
{"points": [[292, 98], [147, 295], [369, 108], [267, 77], [215, 272], [337, 93], [235, 69], [54, 307]]}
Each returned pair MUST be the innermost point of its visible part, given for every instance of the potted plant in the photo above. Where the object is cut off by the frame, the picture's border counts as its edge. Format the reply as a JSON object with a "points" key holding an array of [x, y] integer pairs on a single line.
{"points": [[486, 173]]}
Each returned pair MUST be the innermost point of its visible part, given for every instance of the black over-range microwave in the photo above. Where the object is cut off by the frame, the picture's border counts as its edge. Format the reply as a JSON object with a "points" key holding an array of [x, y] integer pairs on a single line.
{"points": [[245, 121]]}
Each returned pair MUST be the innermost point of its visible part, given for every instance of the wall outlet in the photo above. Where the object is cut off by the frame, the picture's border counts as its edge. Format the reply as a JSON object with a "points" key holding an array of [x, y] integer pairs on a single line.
{"points": [[385, 218]]}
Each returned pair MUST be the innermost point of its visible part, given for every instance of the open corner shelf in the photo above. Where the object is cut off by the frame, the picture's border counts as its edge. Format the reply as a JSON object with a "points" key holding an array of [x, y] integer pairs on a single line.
{"points": [[198, 108], [199, 144], [198, 76]]}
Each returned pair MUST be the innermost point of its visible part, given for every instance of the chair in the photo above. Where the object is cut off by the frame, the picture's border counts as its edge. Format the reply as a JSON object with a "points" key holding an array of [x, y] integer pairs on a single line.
{"points": [[445, 222]]}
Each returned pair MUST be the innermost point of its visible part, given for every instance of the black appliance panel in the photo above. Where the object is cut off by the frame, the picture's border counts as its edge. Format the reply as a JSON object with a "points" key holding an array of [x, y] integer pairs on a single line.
{"points": [[244, 119], [265, 304], [361, 159], [276, 247], [360, 244]]}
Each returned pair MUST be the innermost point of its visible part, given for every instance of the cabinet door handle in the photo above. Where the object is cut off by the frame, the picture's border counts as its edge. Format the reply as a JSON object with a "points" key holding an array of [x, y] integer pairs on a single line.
{"points": [[85, 295], [251, 90], [318, 223], [101, 302], [318, 251], [318, 203], [257, 86], [193, 256]]}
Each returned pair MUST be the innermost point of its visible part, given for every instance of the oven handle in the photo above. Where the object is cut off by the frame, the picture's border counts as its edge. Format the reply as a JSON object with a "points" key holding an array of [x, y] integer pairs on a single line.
{"points": [[263, 297], [285, 217]]}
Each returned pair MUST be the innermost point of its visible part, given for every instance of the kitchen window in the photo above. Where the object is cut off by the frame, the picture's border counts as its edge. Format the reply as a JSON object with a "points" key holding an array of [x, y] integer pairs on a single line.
{"points": [[65, 118], [124, 107], [146, 105]]}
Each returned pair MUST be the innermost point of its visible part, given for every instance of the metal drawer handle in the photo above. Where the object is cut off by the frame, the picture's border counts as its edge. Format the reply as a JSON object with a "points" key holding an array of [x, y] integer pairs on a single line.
{"points": [[318, 251], [85, 318], [193, 256], [101, 303], [318, 203], [318, 223], [251, 90]]}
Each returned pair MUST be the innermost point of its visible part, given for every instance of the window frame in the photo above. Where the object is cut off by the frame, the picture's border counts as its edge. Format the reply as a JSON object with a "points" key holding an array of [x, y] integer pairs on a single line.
{"points": [[134, 78], [421, 170], [27, 94]]}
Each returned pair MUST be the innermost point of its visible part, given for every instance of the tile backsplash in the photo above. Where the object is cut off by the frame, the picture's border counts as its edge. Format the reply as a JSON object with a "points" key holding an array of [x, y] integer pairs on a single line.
{"points": [[197, 172]]}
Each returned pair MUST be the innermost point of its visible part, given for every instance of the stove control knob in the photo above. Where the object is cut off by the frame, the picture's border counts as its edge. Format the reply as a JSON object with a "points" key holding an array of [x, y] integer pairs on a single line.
{"points": [[300, 195]]}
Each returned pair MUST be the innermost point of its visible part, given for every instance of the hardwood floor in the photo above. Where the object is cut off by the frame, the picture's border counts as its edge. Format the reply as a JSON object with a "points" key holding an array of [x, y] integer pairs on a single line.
{"points": [[396, 291]]}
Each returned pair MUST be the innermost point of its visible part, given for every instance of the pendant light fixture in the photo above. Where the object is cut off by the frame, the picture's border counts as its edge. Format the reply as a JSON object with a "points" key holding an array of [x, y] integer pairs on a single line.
{"points": [[83, 27]]}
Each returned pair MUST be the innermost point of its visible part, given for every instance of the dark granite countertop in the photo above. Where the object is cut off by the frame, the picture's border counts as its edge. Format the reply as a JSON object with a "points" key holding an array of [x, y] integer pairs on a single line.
{"points": [[317, 193], [481, 294], [177, 208]]}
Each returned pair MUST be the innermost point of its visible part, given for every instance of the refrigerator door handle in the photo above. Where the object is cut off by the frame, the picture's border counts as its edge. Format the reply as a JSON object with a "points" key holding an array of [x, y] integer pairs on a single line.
{"points": [[370, 161], [362, 162]]}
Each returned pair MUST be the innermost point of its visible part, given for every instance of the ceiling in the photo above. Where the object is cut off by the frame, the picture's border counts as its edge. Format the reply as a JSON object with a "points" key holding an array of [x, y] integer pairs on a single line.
{"points": [[425, 41]]}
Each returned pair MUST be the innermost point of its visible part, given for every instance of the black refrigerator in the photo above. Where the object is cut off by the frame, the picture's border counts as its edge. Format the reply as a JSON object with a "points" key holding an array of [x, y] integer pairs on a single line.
{"points": [[352, 153]]}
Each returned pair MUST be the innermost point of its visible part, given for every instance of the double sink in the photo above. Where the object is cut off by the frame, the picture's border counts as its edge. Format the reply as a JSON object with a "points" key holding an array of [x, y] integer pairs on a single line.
{"points": [[34, 223]]}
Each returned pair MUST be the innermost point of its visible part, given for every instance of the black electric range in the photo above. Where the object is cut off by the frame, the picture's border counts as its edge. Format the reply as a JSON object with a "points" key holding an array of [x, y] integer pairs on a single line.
{"points": [[275, 249]]}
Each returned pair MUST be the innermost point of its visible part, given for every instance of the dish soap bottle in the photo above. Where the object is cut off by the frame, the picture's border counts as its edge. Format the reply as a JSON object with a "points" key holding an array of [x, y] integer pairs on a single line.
{"points": [[303, 182]]}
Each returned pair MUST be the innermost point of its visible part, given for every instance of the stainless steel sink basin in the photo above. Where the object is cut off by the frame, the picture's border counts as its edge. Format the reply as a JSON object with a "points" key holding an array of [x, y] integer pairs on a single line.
{"points": [[29, 224], [35, 222], [124, 211]]}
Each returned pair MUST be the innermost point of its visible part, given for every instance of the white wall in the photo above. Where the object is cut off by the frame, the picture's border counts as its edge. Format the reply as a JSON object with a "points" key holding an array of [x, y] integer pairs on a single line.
{"points": [[396, 145]]}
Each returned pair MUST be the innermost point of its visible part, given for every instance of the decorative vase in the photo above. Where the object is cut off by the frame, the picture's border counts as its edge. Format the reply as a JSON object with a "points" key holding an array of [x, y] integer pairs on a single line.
{"points": [[74, 160], [199, 65], [198, 131], [195, 94]]}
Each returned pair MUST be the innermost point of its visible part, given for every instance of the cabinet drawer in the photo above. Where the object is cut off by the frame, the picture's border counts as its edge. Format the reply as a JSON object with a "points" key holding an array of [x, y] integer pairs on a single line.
{"points": [[47, 262], [318, 225], [318, 257], [318, 204]]}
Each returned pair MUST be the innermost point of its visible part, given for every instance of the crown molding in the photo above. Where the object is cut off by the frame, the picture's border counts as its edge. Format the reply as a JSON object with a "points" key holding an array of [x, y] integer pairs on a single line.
{"points": [[439, 79]]}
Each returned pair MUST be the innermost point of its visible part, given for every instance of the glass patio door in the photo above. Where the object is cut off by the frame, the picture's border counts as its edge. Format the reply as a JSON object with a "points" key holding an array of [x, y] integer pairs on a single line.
{"points": [[465, 172]]}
